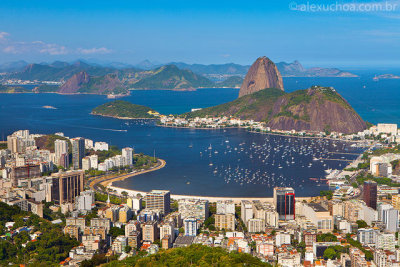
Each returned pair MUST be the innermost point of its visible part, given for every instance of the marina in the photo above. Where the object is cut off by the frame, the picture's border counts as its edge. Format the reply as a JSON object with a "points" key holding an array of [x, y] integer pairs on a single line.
{"points": [[240, 163]]}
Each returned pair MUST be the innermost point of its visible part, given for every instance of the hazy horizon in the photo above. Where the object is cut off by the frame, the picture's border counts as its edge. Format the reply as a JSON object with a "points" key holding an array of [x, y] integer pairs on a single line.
{"points": [[206, 32]]}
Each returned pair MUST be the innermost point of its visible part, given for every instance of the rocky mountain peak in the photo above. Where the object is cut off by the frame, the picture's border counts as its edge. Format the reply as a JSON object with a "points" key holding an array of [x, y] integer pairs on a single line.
{"points": [[261, 75], [74, 83]]}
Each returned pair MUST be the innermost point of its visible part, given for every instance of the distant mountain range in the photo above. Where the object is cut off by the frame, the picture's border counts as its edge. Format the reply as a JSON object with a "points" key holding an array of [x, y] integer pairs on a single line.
{"points": [[13, 66], [147, 75], [171, 77]]}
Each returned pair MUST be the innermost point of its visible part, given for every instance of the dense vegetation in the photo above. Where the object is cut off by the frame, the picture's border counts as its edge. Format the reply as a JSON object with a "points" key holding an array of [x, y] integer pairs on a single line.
{"points": [[123, 109], [294, 99], [361, 178], [171, 77], [259, 104], [243, 107], [3, 145], [51, 247], [113, 199], [195, 255], [331, 95], [368, 254], [13, 89], [314, 109], [105, 154], [58, 71]]}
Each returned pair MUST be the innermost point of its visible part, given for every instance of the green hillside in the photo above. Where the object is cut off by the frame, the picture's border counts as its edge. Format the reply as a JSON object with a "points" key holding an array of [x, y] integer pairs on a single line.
{"points": [[13, 89], [171, 77], [231, 82], [123, 109], [194, 255], [245, 107], [315, 109], [58, 72]]}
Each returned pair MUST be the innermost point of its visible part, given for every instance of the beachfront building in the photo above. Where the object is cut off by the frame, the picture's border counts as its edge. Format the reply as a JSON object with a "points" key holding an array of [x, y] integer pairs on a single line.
{"points": [[284, 201], [225, 207], [127, 154], [158, 200]]}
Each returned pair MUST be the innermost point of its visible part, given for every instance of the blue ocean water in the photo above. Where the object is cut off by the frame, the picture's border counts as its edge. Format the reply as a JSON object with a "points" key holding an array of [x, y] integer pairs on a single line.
{"points": [[250, 170]]}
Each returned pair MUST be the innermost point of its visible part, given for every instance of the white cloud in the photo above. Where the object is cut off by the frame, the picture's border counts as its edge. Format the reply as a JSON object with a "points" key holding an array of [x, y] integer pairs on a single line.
{"points": [[94, 50], [13, 47], [3, 35], [35, 47]]}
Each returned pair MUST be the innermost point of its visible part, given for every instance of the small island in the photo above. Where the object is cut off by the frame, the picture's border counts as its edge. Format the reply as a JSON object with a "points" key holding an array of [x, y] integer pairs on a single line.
{"points": [[124, 110], [386, 76]]}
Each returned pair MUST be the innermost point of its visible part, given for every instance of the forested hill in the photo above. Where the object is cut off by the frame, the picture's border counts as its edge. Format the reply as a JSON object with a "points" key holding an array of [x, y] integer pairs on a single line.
{"points": [[124, 109]]}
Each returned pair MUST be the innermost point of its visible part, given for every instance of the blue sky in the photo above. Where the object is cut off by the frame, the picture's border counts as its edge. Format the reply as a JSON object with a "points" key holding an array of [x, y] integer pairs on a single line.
{"points": [[200, 32]]}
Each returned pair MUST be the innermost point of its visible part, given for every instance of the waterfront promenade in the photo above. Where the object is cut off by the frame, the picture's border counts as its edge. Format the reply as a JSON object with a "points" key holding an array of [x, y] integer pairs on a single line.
{"points": [[107, 180]]}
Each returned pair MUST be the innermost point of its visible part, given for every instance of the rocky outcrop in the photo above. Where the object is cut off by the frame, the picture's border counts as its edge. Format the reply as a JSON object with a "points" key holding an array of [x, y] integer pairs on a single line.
{"points": [[86, 84], [317, 109], [321, 109], [73, 84], [261, 75]]}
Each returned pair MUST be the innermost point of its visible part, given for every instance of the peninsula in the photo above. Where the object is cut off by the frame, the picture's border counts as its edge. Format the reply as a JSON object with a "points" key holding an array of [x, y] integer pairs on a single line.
{"points": [[262, 98], [124, 110]]}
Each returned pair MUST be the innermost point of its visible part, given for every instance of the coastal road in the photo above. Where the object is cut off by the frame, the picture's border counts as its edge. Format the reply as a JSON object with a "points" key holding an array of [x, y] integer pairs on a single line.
{"points": [[106, 180]]}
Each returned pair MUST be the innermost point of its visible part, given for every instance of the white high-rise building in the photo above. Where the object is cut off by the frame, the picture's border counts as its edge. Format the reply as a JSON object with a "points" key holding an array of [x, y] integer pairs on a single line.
{"points": [[127, 153], [86, 164], [246, 211], [167, 229], [193, 208], [85, 201], [100, 146], [255, 225], [102, 167], [134, 203], [60, 147], [386, 241], [190, 225], [94, 161], [88, 144], [366, 236], [225, 207], [119, 161], [389, 216]]}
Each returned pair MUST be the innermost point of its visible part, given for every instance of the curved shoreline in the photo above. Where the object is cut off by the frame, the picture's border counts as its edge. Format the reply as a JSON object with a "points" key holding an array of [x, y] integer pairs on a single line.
{"points": [[106, 181], [161, 165]]}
